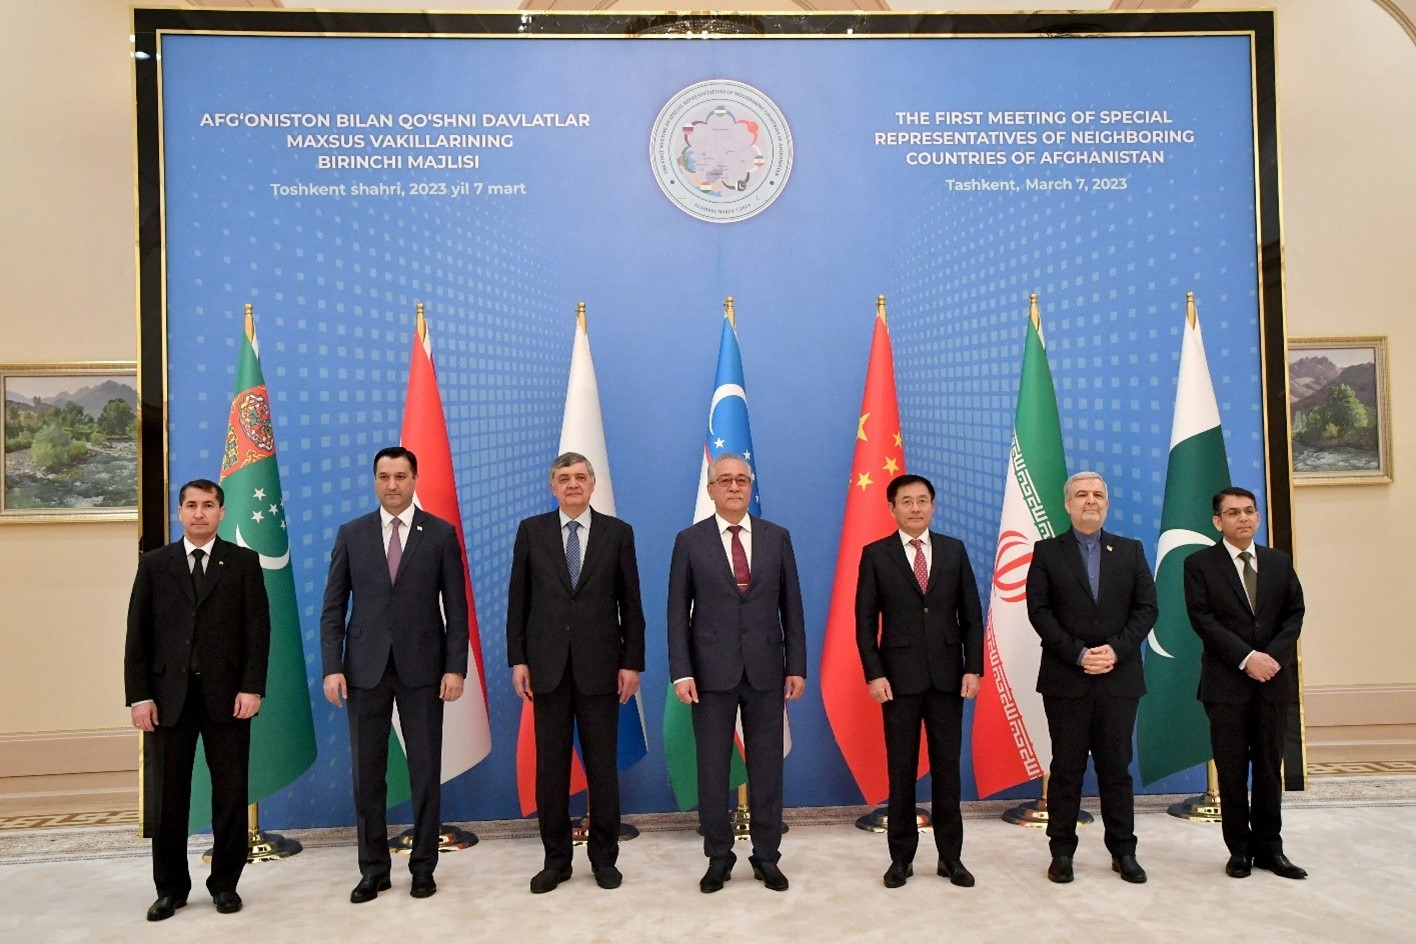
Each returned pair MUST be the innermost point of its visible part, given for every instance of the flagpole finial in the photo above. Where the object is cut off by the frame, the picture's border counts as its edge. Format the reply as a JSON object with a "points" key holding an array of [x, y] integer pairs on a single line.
{"points": [[729, 312], [1033, 315], [250, 321], [880, 308], [420, 326], [580, 315], [1192, 317]]}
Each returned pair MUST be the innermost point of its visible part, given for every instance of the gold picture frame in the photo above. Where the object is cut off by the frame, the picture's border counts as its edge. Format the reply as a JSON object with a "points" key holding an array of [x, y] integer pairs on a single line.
{"points": [[1339, 410], [70, 435]]}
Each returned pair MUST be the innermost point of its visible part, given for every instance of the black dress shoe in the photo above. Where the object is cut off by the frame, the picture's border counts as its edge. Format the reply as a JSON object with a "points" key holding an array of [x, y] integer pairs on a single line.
{"points": [[1129, 868], [1238, 866], [897, 874], [608, 877], [1060, 871], [227, 902], [1279, 865], [546, 880], [954, 871], [768, 874], [713, 879], [368, 888], [423, 885], [165, 907]]}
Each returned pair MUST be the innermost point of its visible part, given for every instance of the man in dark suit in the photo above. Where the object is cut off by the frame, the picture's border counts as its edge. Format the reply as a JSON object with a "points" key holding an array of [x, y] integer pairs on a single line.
{"points": [[405, 642], [737, 641], [1246, 604], [919, 628], [1092, 600], [575, 644], [195, 664]]}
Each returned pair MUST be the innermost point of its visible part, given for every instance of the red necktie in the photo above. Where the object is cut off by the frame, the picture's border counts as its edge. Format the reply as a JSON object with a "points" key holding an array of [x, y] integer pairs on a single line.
{"points": [[741, 575], [921, 567], [395, 550]]}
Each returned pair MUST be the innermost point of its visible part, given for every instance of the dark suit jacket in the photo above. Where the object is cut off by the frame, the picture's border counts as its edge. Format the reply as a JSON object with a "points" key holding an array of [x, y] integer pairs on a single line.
{"points": [[913, 638], [597, 626], [715, 633], [405, 618], [229, 626], [1063, 613], [1230, 630]]}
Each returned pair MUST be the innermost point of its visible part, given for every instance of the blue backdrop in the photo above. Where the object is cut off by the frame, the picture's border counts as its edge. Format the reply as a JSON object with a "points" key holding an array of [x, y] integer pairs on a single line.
{"points": [[334, 280]]}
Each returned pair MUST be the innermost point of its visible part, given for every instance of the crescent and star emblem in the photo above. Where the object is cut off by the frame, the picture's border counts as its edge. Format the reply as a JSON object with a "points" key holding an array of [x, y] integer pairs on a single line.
{"points": [[267, 563], [725, 392], [1174, 540]]}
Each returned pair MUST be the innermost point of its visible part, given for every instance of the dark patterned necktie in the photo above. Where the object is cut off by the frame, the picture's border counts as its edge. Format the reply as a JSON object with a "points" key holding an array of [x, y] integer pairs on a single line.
{"points": [[921, 566], [572, 551], [741, 575]]}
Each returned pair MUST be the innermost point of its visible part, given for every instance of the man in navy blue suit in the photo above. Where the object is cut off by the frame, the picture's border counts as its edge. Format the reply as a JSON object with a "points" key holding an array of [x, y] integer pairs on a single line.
{"points": [[404, 642], [737, 642]]}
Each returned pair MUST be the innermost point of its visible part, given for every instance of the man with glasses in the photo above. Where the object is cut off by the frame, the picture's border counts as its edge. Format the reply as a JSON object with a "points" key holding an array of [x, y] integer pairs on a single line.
{"points": [[919, 628], [1246, 604], [737, 643]]}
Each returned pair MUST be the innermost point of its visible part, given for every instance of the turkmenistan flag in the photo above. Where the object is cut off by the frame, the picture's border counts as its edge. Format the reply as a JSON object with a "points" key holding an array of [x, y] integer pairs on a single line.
{"points": [[1172, 733], [728, 431], [283, 734], [1009, 722]]}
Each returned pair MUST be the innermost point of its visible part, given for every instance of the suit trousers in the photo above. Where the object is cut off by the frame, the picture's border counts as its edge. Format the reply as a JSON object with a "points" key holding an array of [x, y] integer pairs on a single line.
{"points": [[596, 717], [714, 725], [1101, 725], [1245, 737], [227, 745], [941, 713], [420, 718]]}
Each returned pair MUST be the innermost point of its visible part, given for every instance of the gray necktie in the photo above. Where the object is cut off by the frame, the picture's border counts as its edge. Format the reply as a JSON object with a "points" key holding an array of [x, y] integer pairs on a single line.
{"points": [[572, 551], [1251, 580], [395, 549]]}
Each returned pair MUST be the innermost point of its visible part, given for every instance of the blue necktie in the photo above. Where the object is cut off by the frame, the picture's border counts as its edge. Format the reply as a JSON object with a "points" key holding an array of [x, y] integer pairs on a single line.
{"points": [[572, 551], [1094, 566]]}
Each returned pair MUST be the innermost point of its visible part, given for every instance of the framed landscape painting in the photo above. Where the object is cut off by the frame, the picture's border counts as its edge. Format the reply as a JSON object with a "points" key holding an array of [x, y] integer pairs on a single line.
{"points": [[1339, 411], [71, 448]]}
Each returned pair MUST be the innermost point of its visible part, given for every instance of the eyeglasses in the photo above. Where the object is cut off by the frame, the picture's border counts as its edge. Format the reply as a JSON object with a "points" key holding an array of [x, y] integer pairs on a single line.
{"points": [[728, 481], [1232, 513], [909, 504]]}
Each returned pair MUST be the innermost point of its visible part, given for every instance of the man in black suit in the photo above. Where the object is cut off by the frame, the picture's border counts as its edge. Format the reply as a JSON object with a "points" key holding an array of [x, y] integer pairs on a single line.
{"points": [[1092, 600], [575, 644], [405, 642], [1246, 604], [195, 664], [919, 628], [737, 641]]}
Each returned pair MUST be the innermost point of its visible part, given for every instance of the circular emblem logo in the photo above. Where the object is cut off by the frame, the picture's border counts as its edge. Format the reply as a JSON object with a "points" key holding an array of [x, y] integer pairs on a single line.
{"points": [[721, 151]]}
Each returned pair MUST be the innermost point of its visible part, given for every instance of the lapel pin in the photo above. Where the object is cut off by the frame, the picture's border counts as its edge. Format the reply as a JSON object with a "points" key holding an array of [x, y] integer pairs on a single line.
{"points": [[1108, 547], [419, 528]]}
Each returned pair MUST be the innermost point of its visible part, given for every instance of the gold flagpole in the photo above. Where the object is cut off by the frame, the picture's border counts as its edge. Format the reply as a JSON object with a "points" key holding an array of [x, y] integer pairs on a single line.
{"points": [[1204, 808]]}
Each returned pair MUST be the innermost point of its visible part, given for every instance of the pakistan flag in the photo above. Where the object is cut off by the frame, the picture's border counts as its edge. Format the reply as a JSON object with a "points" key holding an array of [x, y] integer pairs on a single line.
{"points": [[283, 734], [1172, 732]]}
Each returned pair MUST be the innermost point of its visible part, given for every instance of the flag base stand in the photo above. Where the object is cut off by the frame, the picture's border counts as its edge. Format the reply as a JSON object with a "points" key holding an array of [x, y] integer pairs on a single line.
{"points": [[580, 831], [742, 819], [451, 838], [1033, 813], [878, 820], [1204, 808], [263, 846]]}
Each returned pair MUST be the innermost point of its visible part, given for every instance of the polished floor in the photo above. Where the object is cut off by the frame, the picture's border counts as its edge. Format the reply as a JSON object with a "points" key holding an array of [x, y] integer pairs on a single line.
{"points": [[1356, 836]]}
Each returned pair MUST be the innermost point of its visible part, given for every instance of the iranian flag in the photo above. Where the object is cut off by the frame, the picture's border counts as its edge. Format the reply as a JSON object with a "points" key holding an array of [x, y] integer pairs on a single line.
{"points": [[879, 456], [1172, 732], [283, 734], [467, 735], [1009, 724]]}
